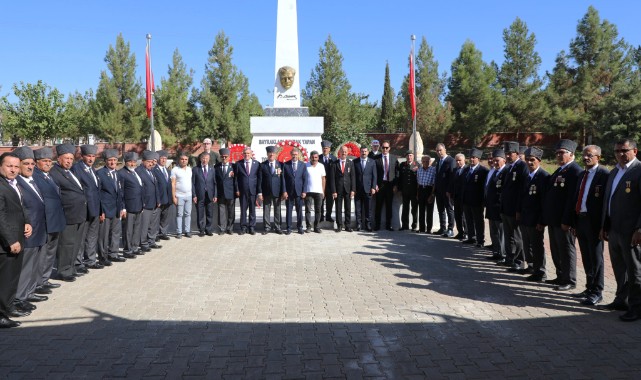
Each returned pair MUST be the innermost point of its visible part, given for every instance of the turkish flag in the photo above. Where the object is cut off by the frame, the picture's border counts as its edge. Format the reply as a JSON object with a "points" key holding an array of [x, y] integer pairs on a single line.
{"points": [[412, 87], [149, 82]]}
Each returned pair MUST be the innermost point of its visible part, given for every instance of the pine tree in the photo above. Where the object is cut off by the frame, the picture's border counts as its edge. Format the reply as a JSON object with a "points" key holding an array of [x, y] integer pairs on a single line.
{"points": [[387, 118], [476, 102]]}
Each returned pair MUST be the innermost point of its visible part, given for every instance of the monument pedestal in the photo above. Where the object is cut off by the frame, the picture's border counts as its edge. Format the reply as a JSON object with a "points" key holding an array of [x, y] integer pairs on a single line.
{"points": [[270, 130]]}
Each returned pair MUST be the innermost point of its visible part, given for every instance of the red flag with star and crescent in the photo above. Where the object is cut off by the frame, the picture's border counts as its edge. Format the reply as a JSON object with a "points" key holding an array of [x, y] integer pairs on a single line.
{"points": [[149, 82], [412, 87]]}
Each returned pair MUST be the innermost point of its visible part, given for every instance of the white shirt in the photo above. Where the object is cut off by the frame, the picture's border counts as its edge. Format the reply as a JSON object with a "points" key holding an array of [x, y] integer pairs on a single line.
{"points": [[617, 178], [315, 175], [532, 174], [183, 180], [29, 181], [588, 182]]}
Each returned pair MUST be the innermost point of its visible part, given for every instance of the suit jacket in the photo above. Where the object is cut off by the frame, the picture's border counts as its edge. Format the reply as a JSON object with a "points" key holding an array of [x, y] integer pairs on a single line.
{"points": [[372, 156], [89, 186], [407, 182], [271, 183], [54, 213], [35, 209], [202, 187], [74, 200], [393, 170], [226, 185], [131, 189], [456, 183], [294, 183], [558, 207], [625, 206], [13, 217], [150, 192], [596, 193], [342, 182], [474, 188], [249, 183], [513, 184], [530, 203], [445, 170], [493, 194], [328, 167], [112, 199], [365, 178], [164, 185]]}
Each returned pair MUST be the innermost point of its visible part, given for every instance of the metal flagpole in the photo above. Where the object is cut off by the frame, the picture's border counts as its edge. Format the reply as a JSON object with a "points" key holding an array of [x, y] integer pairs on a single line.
{"points": [[153, 139], [413, 37]]}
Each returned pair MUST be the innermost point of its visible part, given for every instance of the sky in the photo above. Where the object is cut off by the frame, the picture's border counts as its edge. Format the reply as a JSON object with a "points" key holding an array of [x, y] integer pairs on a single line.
{"points": [[64, 43]]}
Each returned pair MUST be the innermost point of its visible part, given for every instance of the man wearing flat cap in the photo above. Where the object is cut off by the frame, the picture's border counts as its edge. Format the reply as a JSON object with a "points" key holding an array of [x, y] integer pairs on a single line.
{"points": [[150, 199], [327, 159], [493, 188], [163, 181], [132, 188], [529, 216], [54, 215], [272, 171], [408, 187], [558, 215], [473, 198], [515, 178], [112, 204], [226, 188], [74, 203], [83, 169]]}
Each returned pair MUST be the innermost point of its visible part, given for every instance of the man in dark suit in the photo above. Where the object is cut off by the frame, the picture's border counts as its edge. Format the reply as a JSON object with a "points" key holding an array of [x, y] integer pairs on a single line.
{"points": [[74, 203], [226, 189], [493, 188], [558, 210], [204, 194], [588, 201], [85, 172], [454, 195], [342, 184], [529, 216], [14, 229], [375, 152], [33, 203], [408, 187], [445, 169], [160, 223], [365, 180], [387, 171], [214, 158], [473, 198], [516, 176], [272, 171], [294, 182], [327, 159], [133, 196], [248, 178], [150, 199], [112, 204], [54, 215], [622, 229]]}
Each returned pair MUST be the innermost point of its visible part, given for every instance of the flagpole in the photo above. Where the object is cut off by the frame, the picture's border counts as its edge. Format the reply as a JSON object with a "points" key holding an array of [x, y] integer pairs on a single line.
{"points": [[413, 37], [153, 139]]}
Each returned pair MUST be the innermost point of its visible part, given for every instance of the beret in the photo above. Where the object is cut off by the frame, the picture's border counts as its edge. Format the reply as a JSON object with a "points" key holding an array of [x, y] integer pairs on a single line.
{"points": [[147, 155], [110, 153], [510, 146], [163, 153], [476, 152], [375, 142], [88, 149], [270, 149], [522, 149], [130, 156], [41, 153], [224, 151], [326, 144], [24, 153], [65, 148], [534, 152], [566, 144], [409, 151], [498, 153]]}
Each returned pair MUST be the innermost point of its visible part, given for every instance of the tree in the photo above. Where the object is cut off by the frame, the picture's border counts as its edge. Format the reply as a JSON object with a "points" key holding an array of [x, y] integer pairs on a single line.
{"points": [[172, 113], [225, 102], [76, 118], [386, 122], [38, 113], [525, 107], [476, 102], [119, 109]]}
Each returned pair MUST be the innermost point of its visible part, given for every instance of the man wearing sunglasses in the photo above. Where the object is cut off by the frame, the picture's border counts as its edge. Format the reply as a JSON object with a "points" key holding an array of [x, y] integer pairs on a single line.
{"points": [[387, 172]]}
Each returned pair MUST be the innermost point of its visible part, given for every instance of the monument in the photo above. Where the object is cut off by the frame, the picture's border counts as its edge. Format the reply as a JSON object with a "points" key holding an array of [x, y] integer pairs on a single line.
{"points": [[286, 123]]}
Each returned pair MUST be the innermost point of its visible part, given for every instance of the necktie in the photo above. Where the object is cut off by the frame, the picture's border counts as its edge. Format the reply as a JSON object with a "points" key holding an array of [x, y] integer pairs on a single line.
{"points": [[385, 169], [342, 166], [164, 171], [247, 167], [469, 174], [93, 175], [581, 191], [295, 167], [113, 175], [35, 187], [205, 171], [225, 169], [151, 175], [363, 163], [271, 165], [438, 166], [14, 184]]}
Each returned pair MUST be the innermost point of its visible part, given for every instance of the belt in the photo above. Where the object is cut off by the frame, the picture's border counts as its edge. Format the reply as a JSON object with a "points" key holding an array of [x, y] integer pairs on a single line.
{"points": [[424, 186], [583, 214]]}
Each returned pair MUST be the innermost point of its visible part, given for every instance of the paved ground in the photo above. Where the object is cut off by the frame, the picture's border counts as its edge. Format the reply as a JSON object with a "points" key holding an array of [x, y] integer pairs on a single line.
{"points": [[393, 305]]}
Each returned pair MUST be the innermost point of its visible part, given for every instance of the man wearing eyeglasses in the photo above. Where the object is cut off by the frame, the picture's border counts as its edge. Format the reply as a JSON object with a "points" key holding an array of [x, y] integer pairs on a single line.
{"points": [[558, 215], [387, 174], [622, 229]]}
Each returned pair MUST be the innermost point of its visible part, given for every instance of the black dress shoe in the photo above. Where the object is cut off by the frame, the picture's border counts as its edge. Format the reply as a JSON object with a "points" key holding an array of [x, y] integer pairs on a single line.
{"points": [[349, 229], [537, 277], [504, 263], [157, 239], [155, 246], [221, 233], [515, 268], [280, 232], [252, 231], [308, 230], [163, 237], [210, 234], [583, 294], [555, 281], [469, 241], [229, 232], [82, 270], [117, 259], [242, 232], [404, 228], [630, 316], [390, 229], [495, 257], [564, 287], [179, 236], [24, 305], [6, 323], [50, 285], [95, 265], [592, 300], [201, 234], [143, 250], [42, 290], [300, 231], [358, 228], [37, 298], [65, 278], [106, 262], [528, 270], [317, 230], [339, 229], [128, 255], [188, 235], [439, 232], [287, 232], [368, 230], [264, 232], [619, 306], [15, 313]]}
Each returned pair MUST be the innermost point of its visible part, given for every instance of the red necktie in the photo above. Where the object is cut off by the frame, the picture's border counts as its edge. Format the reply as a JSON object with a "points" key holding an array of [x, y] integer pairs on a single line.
{"points": [[386, 167], [342, 166], [247, 167], [581, 191]]}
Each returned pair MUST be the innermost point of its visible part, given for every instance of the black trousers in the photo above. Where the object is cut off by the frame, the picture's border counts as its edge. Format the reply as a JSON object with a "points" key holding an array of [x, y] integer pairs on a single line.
{"points": [[563, 254], [205, 214], [591, 254], [496, 235], [343, 203], [459, 216], [327, 205], [425, 209], [10, 267], [513, 240], [533, 248], [363, 205], [290, 204], [445, 208], [268, 203], [226, 214], [476, 223], [247, 202], [315, 199], [68, 245], [410, 203], [384, 197]]}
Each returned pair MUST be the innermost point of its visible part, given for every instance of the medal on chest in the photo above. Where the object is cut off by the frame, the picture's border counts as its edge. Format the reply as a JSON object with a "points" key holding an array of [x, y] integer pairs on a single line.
{"points": [[532, 189], [513, 176], [627, 186]]}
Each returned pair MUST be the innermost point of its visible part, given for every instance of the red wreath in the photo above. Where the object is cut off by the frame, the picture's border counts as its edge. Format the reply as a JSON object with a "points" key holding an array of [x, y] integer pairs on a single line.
{"points": [[236, 152], [353, 149], [285, 150]]}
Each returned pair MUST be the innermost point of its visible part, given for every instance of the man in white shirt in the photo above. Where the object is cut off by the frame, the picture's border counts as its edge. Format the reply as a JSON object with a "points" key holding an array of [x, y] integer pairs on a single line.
{"points": [[181, 195], [315, 190]]}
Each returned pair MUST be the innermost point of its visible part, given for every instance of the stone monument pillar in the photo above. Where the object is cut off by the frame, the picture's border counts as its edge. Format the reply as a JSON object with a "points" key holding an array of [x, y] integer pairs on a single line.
{"points": [[286, 120]]}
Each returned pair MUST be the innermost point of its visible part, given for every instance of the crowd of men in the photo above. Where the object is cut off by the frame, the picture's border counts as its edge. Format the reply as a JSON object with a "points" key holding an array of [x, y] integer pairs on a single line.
{"points": [[64, 218]]}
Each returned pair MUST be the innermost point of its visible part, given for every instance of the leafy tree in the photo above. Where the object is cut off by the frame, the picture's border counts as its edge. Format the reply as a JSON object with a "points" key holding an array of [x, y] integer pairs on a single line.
{"points": [[525, 107], [76, 118], [38, 113], [226, 104], [476, 102], [387, 119], [119, 109]]}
